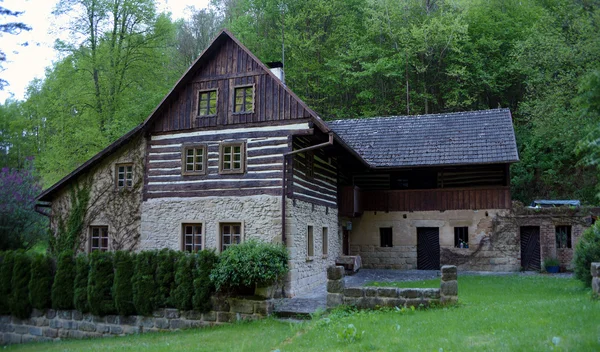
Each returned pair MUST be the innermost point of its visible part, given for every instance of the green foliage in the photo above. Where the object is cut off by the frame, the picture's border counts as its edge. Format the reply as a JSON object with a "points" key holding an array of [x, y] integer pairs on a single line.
{"points": [[250, 263], [587, 251], [184, 282], [551, 261], [165, 276], [80, 293], [68, 235], [100, 283], [123, 284], [203, 286], [145, 287], [40, 284], [6, 272], [64, 281], [20, 306]]}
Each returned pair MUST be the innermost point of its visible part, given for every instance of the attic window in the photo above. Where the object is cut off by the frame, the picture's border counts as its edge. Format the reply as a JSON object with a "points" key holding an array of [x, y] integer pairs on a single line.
{"points": [[207, 102], [243, 99]]}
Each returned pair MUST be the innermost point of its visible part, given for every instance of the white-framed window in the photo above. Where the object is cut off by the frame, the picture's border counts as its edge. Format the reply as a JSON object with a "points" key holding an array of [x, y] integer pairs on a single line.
{"points": [[325, 240], [232, 158], [194, 160], [124, 176], [230, 234], [193, 237], [98, 238], [310, 242]]}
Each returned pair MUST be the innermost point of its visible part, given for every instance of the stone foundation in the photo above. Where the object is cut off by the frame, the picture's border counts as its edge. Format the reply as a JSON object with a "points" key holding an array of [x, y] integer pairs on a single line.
{"points": [[377, 297], [53, 325]]}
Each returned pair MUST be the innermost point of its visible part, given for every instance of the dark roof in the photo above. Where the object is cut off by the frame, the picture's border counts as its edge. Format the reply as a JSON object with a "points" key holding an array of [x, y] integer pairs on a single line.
{"points": [[555, 203], [474, 137]]}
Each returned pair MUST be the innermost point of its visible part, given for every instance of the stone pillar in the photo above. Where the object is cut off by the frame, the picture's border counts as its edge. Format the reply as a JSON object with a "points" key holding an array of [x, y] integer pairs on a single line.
{"points": [[335, 286], [449, 285], [595, 269]]}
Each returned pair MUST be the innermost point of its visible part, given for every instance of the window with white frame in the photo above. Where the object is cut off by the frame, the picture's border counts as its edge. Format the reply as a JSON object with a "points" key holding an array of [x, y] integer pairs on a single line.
{"points": [[194, 160], [232, 158], [310, 242], [231, 234], [192, 237], [325, 240], [124, 176], [98, 238]]}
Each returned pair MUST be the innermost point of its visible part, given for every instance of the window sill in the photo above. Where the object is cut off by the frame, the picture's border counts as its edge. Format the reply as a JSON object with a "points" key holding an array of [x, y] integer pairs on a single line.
{"points": [[310, 259], [325, 256], [243, 112], [203, 116]]}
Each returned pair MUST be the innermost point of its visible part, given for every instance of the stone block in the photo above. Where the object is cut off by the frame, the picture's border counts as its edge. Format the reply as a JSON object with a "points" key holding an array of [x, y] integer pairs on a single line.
{"points": [[76, 334], [111, 319], [5, 327], [50, 313], [596, 285], [128, 319], [146, 322], [159, 313], [595, 269], [161, 323], [70, 324], [197, 324], [264, 308], [64, 314], [335, 286], [335, 272], [449, 272], [102, 328], [224, 317], [21, 329], [179, 324], [35, 331], [448, 300], [449, 288], [241, 306], [431, 292], [40, 321], [87, 326], [387, 292], [116, 329], [172, 314], [334, 299], [353, 292], [351, 301], [209, 316], [370, 302], [98, 319], [91, 335], [55, 323], [63, 334], [88, 317], [414, 302], [393, 302], [29, 338], [409, 293], [77, 315], [220, 304], [12, 338], [193, 315], [49, 332], [370, 291], [129, 330]]}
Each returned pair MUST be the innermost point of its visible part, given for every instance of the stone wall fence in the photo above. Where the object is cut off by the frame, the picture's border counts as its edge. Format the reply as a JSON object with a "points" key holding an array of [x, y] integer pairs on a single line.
{"points": [[53, 325], [595, 269], [376, 297]]}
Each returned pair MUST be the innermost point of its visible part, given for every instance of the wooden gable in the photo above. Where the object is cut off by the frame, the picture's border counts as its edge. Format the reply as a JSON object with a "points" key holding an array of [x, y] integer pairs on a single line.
{"points": [[227, 64]]}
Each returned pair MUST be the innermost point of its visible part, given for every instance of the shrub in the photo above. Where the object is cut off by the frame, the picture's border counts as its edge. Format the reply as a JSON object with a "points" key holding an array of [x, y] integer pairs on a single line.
{"points": [[252, 263], [587, 251], [123, 285], [165, 276], [203, 286], [144, 285], [40, 284], [6, 271], [64, 281], [20, 306], [100, 282], [80, 295], [184, 282]]}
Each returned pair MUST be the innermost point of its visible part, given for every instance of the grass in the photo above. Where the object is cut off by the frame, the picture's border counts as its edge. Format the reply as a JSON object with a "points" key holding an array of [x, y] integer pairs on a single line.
{"points": [[499, 313]]}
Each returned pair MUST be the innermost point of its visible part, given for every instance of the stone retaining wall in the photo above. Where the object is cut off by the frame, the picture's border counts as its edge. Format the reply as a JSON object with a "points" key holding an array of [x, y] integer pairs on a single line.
{"points": [[56, 325], [376, 297], [595, 269]]}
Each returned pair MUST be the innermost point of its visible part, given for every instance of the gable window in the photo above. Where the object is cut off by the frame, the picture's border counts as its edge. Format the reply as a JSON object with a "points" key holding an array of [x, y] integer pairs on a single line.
{"points": [[124, 176], [192, 237], [232, 158], [231, 234], [207, 102], [563, 236], [461, 237], [243, 100], [310, 242], [325, 240], [385, 237], [98, 238], [194, 160]]}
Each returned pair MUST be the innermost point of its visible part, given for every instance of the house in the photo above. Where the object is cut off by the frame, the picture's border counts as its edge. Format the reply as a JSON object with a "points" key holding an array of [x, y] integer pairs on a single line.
{"points": [[231, 153]]}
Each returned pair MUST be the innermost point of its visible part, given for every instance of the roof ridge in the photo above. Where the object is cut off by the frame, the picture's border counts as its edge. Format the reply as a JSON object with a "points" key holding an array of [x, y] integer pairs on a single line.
{"points": [[422, 115]]}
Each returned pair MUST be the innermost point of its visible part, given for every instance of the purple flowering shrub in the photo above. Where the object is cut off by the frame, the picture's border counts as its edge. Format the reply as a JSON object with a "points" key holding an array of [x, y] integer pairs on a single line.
{"points": [[20, 225]]}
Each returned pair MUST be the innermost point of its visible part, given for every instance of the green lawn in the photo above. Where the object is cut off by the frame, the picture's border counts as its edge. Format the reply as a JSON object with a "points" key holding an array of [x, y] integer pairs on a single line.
{"points": [[503, 313]]}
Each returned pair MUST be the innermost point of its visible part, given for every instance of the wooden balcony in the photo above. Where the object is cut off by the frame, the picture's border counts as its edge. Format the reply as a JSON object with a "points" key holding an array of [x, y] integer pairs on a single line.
{"points": [[354, 202]]}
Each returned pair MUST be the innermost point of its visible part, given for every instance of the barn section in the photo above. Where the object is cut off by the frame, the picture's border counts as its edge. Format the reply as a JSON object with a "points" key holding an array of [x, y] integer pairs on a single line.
{"points": [[428, 189]]}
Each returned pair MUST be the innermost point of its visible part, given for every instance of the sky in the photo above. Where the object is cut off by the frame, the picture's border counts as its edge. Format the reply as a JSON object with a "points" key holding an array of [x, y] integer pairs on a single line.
{"points": [[24, 63]]}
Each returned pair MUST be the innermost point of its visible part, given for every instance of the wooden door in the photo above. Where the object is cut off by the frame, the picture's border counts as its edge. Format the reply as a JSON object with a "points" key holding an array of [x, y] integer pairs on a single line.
{"points": [[428, 248], [530, 248]]}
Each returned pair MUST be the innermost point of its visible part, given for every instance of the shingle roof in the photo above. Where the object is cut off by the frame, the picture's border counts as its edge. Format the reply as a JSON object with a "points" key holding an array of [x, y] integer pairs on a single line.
{"points": [[475, 137]]}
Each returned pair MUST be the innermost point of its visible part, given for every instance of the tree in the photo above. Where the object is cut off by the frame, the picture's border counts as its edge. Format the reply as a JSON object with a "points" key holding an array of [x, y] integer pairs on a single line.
{"points": [[10, 27]]}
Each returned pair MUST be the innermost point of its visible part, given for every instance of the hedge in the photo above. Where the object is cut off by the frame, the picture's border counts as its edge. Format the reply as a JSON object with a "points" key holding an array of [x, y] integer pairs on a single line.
{"points": [[63, 286], [40, 283], [100, 283], [587, 251], [184, 282], [203, 287], [144, 284], [165, 276], [20, 306], [123, 284], [80, 295], [6, 271]]}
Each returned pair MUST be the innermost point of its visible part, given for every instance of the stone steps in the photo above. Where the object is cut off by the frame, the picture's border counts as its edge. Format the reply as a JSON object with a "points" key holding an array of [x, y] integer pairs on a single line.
{"points": [[298, 308]]}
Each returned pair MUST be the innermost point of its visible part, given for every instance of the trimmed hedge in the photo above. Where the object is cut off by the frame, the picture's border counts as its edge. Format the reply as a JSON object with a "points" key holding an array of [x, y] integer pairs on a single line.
{"points": [[203, 286], [63, 286], [20, 306], [6, 271], [100, 283], [144, 284], [184, 282], [587, 251], [80, 295], [40, 283], [165, 276], [123, 285]]}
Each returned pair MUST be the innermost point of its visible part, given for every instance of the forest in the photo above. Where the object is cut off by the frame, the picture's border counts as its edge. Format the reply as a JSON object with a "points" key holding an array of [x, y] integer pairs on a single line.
{"points": [[345, 59]]}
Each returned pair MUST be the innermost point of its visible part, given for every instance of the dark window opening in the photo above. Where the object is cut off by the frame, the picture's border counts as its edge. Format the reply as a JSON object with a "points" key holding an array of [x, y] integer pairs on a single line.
{"points": [[207, 103], [244, 99], [385, 236], [461, 237], [192, 237], [563, 236]]}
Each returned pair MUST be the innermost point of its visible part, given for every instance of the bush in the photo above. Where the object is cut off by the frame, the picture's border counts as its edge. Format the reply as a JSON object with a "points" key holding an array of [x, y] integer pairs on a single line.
{"points": [[6, 271], [123, 285], [20, 306], [587, 251], [80, 295], [64, 281], [203, 286], [144, 284], [165, 276], [100, 282], [40, 284], [252, 263], [184, 282]]}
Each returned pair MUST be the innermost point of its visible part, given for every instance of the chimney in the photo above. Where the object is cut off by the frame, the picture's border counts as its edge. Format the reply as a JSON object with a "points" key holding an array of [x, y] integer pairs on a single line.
{"points": [[276, 68]]}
